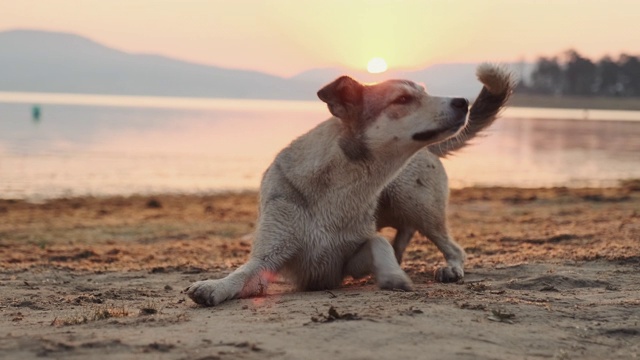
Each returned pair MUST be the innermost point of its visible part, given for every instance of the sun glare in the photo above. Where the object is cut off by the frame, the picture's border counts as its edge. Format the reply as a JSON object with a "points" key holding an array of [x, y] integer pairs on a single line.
{"points": [[377, 65]]}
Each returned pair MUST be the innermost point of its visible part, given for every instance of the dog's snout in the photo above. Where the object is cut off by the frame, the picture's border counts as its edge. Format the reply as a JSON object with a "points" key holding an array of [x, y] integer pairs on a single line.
{"points": [[460, 103]]}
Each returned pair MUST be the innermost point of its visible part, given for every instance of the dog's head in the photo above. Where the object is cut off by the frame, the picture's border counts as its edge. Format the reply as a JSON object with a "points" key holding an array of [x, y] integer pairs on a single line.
{"points": [[393, 115]]}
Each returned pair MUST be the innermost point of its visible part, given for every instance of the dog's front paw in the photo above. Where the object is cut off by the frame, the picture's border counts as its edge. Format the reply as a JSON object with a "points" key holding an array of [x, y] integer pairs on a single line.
{"points": [[395, 281], [209, 292], [449, 274]]}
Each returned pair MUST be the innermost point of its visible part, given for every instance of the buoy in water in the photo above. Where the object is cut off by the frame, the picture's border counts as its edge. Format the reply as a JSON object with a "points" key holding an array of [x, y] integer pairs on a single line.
{"points": [[35, 113]]}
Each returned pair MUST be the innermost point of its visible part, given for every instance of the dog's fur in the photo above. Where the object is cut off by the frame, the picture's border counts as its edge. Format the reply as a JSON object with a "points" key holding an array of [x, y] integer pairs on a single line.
{"points": [[321, 196]]}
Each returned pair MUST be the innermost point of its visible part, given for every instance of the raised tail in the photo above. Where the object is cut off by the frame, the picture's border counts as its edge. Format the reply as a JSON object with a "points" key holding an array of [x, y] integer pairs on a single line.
{"points": [[498, 85]]}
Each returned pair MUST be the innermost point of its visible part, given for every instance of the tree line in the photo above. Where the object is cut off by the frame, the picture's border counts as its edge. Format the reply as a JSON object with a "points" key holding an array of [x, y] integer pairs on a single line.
{"points": [[573, 74]]}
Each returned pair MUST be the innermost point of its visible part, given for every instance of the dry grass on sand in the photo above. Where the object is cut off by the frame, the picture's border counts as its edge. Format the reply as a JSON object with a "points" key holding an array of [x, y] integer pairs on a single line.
{"points": [[552, 273]]}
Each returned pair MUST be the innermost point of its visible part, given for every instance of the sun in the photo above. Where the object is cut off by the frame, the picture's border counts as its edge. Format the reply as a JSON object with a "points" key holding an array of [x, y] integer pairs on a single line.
{"points": [[377, 65]]}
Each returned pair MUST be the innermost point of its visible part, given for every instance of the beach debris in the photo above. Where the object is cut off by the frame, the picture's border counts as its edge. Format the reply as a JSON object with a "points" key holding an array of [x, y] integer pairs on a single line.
{"points": [[331, 295], [157, 346], [411, 311], [471, 306], [154, 204], [501, 316], [333, 315], [148, 310], [549, 288], [242, 344], [479, 286], [85, 254]]}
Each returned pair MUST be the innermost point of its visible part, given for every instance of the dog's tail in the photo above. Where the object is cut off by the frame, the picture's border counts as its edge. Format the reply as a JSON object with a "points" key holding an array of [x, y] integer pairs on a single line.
{"points": [[498, 84]]}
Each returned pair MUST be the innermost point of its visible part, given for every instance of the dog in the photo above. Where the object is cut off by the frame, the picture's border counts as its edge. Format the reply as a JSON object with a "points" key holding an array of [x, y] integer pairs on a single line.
{"points": [[375, 163]]}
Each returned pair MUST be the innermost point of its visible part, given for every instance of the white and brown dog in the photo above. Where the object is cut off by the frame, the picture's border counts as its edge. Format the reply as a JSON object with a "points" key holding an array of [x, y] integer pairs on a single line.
{"points": [[374, 164]]}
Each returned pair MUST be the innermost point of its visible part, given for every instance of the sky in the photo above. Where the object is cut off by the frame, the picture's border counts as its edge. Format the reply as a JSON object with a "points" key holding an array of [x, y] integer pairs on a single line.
{"points": [[285, 37]]}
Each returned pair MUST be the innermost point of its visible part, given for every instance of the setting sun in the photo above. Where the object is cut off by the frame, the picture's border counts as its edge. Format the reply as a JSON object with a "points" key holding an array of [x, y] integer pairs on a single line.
{"points": [[377, 65]]}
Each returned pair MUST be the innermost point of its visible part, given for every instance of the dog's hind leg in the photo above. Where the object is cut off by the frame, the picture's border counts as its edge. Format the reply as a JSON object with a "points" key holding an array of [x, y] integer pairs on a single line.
{"points": [[376, 256], [401, 241], [453, 253]]}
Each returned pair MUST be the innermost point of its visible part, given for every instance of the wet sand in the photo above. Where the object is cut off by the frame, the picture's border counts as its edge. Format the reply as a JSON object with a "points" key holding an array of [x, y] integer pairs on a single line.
{"points": [[552, 273]]}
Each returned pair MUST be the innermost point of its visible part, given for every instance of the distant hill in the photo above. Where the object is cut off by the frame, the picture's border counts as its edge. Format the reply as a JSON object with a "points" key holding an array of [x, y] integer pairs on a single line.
{"points": [[36, 61], [41, 61]]}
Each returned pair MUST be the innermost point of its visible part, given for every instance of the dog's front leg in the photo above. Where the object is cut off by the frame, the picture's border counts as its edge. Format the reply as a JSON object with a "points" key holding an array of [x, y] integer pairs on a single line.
{"points": [[376, 256], [248, 280], [272, 247]]}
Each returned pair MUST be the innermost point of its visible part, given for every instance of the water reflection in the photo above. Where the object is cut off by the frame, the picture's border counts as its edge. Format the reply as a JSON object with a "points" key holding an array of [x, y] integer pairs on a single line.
{"points": [[547, 152], [79, 150]]}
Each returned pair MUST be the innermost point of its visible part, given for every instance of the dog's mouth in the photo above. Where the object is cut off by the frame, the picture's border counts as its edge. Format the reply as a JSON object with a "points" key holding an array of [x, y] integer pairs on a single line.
{"points": [[438, 134], [426, 135]]}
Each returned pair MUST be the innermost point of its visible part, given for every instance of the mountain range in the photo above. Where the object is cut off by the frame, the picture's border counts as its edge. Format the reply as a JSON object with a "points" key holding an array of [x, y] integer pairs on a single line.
{"points": [[53, 62]]}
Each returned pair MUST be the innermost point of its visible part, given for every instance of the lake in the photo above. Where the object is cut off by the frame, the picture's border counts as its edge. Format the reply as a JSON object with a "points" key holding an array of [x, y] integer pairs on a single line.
{"points": [[115, 145]]}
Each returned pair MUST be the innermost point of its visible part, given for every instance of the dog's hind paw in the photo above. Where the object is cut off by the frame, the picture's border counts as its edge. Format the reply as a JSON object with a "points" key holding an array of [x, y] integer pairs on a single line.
{"points": [[209, 292], [449, 274], [395, 281]]}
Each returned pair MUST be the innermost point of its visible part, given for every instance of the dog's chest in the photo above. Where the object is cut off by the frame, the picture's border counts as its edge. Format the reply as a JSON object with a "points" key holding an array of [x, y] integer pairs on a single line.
{"points": [[338, 229]]}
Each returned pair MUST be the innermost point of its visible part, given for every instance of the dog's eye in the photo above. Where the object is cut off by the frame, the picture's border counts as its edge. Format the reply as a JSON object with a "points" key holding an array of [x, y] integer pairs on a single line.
{"points": [[403, 99]]}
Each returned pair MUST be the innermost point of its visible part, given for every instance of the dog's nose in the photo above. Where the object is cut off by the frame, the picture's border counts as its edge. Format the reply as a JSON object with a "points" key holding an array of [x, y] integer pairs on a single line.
{"points": [[460, 103]]}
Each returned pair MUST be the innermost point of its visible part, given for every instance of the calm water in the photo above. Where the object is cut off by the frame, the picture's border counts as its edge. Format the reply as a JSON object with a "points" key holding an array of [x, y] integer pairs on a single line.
{"points": [[103, 145]]}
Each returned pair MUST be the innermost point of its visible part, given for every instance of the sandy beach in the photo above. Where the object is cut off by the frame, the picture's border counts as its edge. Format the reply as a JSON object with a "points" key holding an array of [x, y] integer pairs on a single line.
{"points": [[552, 274]]}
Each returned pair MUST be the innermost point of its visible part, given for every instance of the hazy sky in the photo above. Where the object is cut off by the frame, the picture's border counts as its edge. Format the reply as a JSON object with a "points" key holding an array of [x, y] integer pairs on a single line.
{"points": [[285, 37]]}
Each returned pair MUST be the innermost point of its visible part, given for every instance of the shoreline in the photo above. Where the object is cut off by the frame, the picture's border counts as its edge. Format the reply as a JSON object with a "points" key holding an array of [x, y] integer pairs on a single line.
{"points": [[574, 102], [203, 103], [630, 183]]}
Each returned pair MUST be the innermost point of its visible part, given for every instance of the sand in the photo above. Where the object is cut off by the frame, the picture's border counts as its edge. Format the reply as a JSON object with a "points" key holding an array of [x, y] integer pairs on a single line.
{"points": [[552, 273]]}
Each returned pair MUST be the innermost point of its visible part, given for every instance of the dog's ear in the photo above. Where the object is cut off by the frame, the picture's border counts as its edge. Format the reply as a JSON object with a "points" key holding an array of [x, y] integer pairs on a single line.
{"points": [[343, 97]]}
